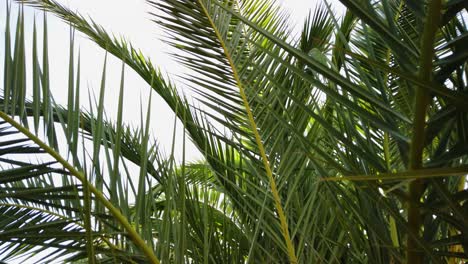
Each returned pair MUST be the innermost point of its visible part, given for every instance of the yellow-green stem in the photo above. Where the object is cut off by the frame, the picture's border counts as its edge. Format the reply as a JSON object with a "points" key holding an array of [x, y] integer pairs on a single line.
{"points": [[404, 175], [414, 252], [261, 149], [134, 236]]}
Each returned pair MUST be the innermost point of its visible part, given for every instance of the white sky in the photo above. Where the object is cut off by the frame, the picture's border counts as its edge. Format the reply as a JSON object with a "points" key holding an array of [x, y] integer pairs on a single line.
{"points": [[129, 18]]}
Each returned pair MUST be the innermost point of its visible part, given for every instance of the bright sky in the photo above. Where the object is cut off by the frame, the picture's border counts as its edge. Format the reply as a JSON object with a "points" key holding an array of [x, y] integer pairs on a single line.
{"points": [[129, 18]]}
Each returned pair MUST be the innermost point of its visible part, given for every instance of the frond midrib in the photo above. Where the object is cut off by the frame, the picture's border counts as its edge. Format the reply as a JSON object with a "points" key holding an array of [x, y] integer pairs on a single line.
{"points": [[261, 148]]}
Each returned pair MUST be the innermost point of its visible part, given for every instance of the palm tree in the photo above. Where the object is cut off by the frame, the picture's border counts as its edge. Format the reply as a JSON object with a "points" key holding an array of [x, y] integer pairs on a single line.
{"points": [[345, 145]]}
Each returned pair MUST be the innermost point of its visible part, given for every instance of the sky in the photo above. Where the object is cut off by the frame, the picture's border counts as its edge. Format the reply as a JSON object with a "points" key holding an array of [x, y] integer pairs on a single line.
{"points": [[131, 19]]}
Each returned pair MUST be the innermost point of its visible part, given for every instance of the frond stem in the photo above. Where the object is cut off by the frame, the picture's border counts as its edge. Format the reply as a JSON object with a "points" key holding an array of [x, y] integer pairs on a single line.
{"points": [[261, 148], [404, 175], [134, 236], [416, 188]]}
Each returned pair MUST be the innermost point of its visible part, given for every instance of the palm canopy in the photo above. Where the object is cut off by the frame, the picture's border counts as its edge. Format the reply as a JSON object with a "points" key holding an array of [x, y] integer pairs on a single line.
{"points": [[346, 145]]}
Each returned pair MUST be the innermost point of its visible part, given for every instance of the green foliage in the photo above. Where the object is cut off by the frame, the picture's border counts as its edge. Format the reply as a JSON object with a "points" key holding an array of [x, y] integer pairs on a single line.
{"points": [[346, 145]]}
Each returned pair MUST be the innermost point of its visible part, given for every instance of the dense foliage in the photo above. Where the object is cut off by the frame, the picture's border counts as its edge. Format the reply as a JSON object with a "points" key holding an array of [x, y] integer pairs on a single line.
{"points": [[346, 145]]}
